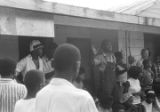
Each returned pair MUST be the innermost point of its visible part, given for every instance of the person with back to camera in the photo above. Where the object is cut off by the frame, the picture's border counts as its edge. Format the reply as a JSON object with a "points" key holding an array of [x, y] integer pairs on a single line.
{"points": [[34, 80], [60, 95], [10, 90]]}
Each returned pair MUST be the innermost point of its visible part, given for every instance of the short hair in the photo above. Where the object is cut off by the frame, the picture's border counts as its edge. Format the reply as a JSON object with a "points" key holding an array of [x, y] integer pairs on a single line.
{"points": [[33, 79], [134, 72], [7, 67], [156, 87], [66, 55]]}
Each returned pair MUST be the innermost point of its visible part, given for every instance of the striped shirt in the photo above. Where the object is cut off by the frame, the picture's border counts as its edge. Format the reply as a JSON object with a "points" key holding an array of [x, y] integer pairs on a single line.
{"points": [[10, 92]]}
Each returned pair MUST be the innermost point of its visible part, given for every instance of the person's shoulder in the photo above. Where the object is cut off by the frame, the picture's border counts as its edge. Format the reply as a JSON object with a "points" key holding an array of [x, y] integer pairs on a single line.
{"points": [[44, 91], [82, 93], [19, 86]]}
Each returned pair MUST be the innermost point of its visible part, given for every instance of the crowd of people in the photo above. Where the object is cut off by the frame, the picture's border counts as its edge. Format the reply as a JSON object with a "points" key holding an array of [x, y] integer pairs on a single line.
{"points": [[55, 82]]}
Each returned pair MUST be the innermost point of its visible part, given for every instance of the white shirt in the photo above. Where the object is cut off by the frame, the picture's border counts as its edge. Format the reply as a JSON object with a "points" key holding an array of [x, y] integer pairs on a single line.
{"points": [[135, 88], [27, 105], [148, 107], [27, 64], [61, 96], [10, 92]]}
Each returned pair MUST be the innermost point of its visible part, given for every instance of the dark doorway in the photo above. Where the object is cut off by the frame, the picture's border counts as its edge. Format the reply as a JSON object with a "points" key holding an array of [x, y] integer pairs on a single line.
{"points": [[152, 41]]}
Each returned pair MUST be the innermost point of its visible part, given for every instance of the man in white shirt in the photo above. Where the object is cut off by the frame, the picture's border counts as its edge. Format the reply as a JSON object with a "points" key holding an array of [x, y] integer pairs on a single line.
{"points": [[33, 61], [34, 81], [60, 95], [10, 90]]}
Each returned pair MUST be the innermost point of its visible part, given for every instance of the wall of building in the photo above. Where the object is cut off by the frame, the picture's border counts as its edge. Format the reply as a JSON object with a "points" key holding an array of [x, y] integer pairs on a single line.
{"points": [[131, 43], [96, 35], [25, 23], [9, 47]]}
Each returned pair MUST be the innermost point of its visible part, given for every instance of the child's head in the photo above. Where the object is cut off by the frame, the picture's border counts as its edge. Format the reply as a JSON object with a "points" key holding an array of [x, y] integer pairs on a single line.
{"points": [[134, 72], [34, 80], [147, 63], [156, 87]]}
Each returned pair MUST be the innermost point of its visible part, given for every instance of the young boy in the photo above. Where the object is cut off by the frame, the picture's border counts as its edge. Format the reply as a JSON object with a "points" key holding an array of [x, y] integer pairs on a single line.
{"points": [[34, 81], [10, 90]]}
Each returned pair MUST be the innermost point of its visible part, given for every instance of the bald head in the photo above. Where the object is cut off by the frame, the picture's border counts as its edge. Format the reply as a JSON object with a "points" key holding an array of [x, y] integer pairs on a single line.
{"points": [[66, 57]]}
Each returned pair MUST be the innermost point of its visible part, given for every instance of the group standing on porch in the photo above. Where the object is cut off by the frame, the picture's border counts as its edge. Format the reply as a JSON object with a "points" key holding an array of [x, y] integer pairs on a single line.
{"points": [[54, 81]]}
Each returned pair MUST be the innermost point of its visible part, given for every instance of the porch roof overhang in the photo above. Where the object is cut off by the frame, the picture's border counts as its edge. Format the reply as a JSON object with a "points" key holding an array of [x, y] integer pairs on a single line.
{"points": [[37, 12]]}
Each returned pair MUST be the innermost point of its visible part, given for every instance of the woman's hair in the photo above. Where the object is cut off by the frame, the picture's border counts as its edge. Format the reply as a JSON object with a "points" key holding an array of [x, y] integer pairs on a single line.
{"points": [[134, 72]]}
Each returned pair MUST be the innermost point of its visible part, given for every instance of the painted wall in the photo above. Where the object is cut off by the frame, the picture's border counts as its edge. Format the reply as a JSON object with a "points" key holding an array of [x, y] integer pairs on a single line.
{"points": [[9, 47], [26, 23], [133, 44]]}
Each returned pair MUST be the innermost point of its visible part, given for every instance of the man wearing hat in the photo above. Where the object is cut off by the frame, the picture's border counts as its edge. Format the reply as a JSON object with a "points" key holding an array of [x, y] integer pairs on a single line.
{"points": [[32, 61]]}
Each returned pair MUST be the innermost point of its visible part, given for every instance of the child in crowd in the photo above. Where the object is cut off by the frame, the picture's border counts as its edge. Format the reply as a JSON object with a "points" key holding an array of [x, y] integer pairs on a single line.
{"points": [[134, 91], [156, 88], [149, 99], [148, 75], [79, 81], [34, 80]]}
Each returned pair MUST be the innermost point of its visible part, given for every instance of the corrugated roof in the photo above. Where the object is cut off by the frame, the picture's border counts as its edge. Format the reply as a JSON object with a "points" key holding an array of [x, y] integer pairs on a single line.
{"points": [[147, 8]]}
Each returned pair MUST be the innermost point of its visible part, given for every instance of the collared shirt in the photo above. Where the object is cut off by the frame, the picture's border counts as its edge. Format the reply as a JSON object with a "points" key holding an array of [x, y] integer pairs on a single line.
{"points": [[25, 105], [10, 92], [61, 96], [27, 64]]}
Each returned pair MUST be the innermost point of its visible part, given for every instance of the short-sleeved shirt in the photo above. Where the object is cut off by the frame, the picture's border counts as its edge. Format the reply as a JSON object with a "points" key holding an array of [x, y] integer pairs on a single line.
{"points": [[10, 92], [134, 88], [27, 64], [61, 96], [25, 105]]}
